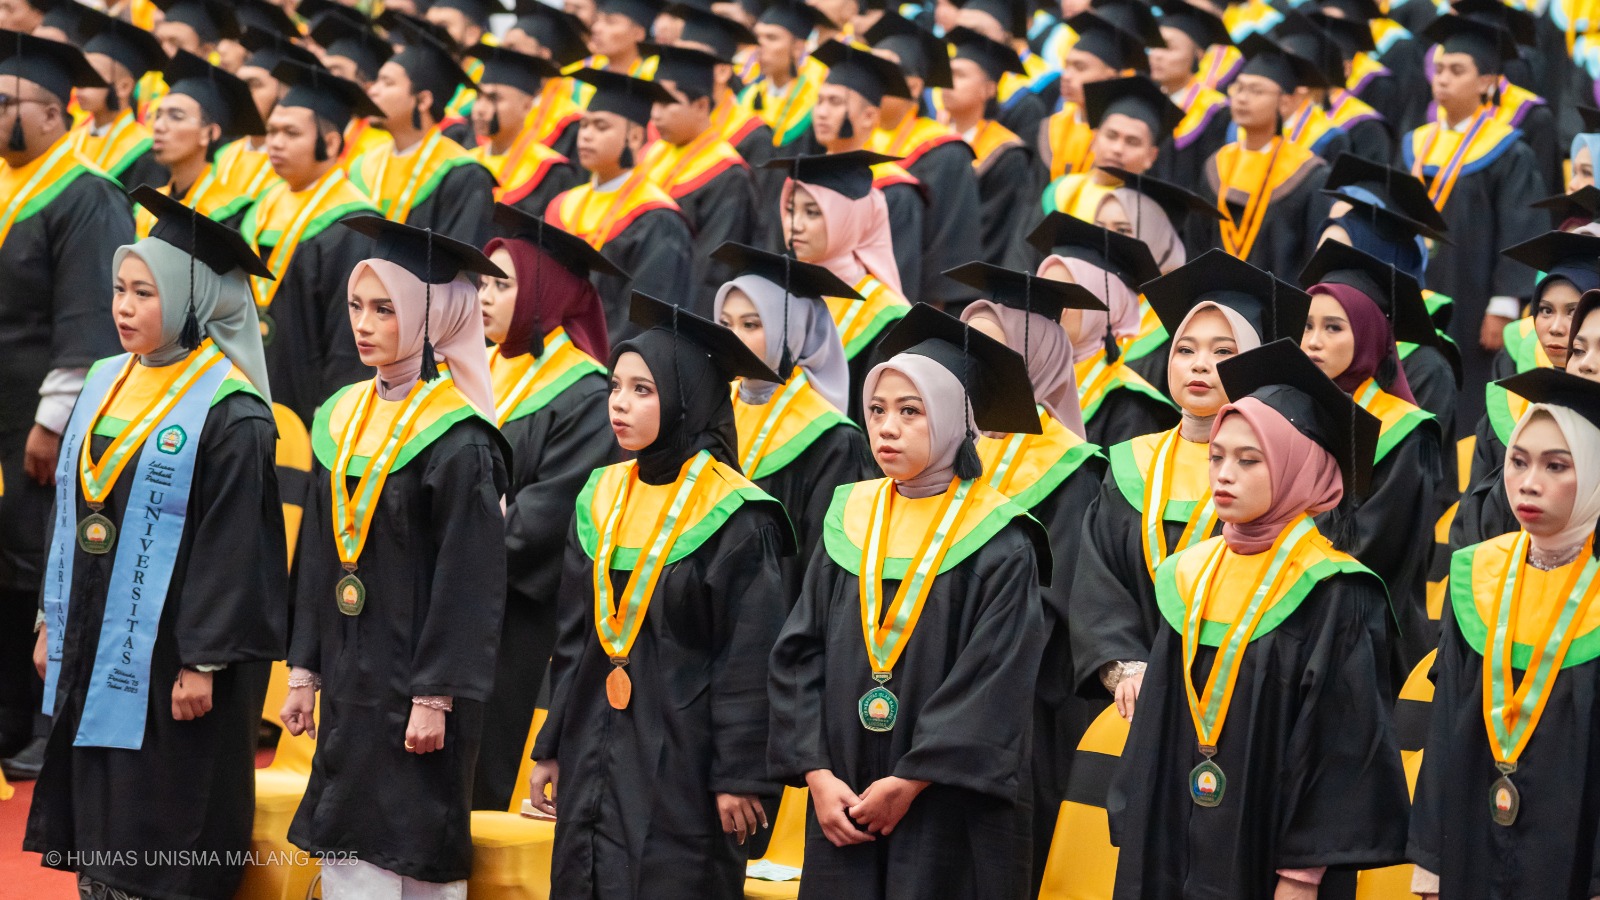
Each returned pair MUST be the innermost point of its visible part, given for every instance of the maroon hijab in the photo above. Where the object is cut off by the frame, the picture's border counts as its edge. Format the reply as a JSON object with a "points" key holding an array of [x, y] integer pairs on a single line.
{"points": [[550, 296], [1374, 336]]}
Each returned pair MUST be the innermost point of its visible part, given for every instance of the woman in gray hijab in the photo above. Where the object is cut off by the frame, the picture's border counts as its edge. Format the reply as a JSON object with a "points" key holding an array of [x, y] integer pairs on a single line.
{"points": [[167, 600]]}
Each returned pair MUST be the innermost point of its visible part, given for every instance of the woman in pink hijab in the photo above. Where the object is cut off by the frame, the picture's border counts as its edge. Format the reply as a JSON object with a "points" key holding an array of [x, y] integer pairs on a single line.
{"points": [[399, 604], [1263, 749]]}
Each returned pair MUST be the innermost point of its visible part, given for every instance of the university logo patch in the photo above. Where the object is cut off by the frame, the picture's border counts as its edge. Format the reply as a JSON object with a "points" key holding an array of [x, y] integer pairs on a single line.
{"points": [[171, 440]]}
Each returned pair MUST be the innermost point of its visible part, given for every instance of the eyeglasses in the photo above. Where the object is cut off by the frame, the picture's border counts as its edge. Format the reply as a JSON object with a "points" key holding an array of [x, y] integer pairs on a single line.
{"points": [[9, 100], [1252, 91]]}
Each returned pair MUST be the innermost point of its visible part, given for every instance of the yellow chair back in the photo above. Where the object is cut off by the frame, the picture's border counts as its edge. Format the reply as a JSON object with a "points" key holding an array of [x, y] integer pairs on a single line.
{"points": [[1083, 863], [293, 753], [294, 470], [1411, 721], [526, 769]]}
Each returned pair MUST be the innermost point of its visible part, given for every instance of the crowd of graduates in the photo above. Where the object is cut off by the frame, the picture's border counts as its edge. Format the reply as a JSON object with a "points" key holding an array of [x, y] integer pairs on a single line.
{"points": [[739, 396]]}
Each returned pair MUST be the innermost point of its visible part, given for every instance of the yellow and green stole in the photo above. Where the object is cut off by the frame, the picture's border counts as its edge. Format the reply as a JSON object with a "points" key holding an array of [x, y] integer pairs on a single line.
{"points": [[1397, 418], [246, 171], [1028, 467], [1097, 379], [598, 217], [523, 385], [120, 147], [681, 171], [283, 219], [209, 195], [25, 191], [861, 321], [845, 528], [1165, 479], [1505, 409], [789, 113], [1077, 195], [414, 178], [1491, 574], [443, 406], [774, 434]]}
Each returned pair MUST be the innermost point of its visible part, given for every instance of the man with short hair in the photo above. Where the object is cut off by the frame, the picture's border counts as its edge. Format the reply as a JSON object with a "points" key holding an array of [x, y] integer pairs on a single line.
{"points": [[110, 136], [786, 95], [203, 105], [530, 174], [1189, 32], [1132, 120], [1111, 41], [1007, 175]]}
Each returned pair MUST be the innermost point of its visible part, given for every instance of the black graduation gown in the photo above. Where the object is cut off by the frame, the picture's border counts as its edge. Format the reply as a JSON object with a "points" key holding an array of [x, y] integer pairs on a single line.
{"points": [[1485, 510], [721, 210], [143, 170], [1433, 384], [1538, 127], [655, 250], [558, 178], [1185, 166], [1309, 750], [805, 487], [637, 801], [1023, 113], [552, 453], [313, 351], [462, 206], [1387, 95], [756, 149], [55, 313], [192, 786], [964, 684], [435, 595], [1125, 414], [908, 214], [1008, 187], [1370, 139], [949, 240], [1291, 226], [1553, 849]]}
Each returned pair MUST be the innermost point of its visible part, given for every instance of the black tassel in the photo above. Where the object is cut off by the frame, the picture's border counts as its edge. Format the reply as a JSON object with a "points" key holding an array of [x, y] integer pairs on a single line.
{"points": [[1113, 352], [430, 366], [416, 116], [785, 359], [759, 103], [536, 346], [189, 337], [847, 130], [319, 148], [626, 160], [113, 104], [494, 122], [19, 141], [968, 465]]}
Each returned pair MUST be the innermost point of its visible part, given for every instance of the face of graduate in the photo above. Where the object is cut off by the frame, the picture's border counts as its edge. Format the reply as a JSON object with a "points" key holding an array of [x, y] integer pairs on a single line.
{"points": [[682, 120], [1071, 319], [1080, 69], [175, 36], [1254, 102], [94, 100], [777, 49], [1124, 142], [1541, 479], [291, 146], [230, 54], [635, 404], [519, 41], [1328, 339], [1192, 372], [804, 229], [1552, 318], [511, 104], [43, 118], [615, 34], [984, 24], [667, 29], [19, 15], [585, 10], [1582, 170], [463, 30], [498, 297], [1457, 86], [179, 131], [897, 425], [1241, 486], [835, 103], [136, 306], [741, 317], [1173, 65], [970, 89], [1583, 360], [264, 89], [392, 93], [372, 318], [601, 137]]}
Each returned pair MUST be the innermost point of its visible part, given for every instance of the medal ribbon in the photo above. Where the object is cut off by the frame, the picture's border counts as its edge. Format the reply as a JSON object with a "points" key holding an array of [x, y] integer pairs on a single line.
{"points": [[352, 515], [519, 391], [1209, 716], [887, 641], [769, 424], [1202, 519], [1512, 720], [1444, 181], [401, 208], [618, 624], [58, 163], [289, 241], [98, 478]]}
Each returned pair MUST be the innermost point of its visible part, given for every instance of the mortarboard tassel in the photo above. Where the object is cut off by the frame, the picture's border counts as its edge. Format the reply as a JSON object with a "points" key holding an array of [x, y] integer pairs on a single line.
{"points": [[430, 366], [416, 116], [1113, 352], [536, 346], [847, 130], [626, 160], [319, 147], [785, 358], [494, 122], [113, 103], [189, 335], [967, 465]]}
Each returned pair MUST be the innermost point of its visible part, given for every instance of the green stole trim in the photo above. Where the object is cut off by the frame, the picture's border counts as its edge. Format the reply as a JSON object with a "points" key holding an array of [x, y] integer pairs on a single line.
{"points": [[777, 458], [1171, 602], [1060, 470], [1522, 345], [847, 556], [691, 538], [326, 446], [1584, 647], [1129, 478], [1393, 430], [315, 227], [110, 427], [1123, 379], [424, 190], [51, 192], [565, 379], [228, 209], [128, 158]]}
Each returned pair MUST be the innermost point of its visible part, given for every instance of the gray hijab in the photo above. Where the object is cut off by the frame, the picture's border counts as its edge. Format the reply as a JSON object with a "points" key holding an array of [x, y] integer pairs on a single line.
{"points": [[949, 420], [814, 343], [223, 306]]}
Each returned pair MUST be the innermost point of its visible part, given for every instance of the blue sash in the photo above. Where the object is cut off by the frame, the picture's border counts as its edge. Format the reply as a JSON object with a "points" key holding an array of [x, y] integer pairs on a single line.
{"points": [[147, 550]]}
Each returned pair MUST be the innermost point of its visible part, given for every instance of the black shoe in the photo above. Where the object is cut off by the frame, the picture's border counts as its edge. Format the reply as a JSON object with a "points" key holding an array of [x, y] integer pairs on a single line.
{"points": [[25, 765]]}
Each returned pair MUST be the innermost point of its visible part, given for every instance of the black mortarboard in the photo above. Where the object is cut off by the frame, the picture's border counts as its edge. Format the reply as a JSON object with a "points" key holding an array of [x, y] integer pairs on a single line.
{"points": [[1588, 303], [993, 57], [68, 17], [1351, 36], [1558, 388], [1136, 97], [431, 66], [1490, 46], [1133, 16], [1177, 202], [920, 52], [729, 354], [220, 248], [1299, 35], [1029, 293], [1115, 46], [720, 34], [265, 16], [477, 11], [1583, 203], [325, 94], [573, 253], [642, 12], [1560, 254], [1011, 14], [798, 18], [862, 71], [628, 97], [802, 279], [1396, 293], [994, 376], [315, 9], [224, 97], [354, 40], [404, 29], [556, 30], [1202, 26], [1275, 62], [132, 47], [508, 67], [268, 48], [1280, 375], [1125, 257], [1590, 117], [1362, 11], [1273, 307], [212, 20], [1406, 205], [52, 65], [693, 71], [849, 173], [1521, 25]]}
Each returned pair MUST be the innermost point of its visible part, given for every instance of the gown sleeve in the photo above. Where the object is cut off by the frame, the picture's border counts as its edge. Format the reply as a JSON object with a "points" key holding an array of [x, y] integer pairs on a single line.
{"points": [[907, 211], [573, 626], [1107, 619], [314, 559], [950, 234], [660, 262], [467, 194], [797, 740], [80, 300], [1450, 674], [1518, 178], [727, 213]]}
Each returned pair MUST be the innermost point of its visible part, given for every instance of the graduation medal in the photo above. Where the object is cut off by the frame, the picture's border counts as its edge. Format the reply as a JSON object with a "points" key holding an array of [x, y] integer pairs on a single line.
{"points": [[1511, 711], [352, 513], [269, 328], [618, 621], [887, 635], [1209, 710], [97, 534]]}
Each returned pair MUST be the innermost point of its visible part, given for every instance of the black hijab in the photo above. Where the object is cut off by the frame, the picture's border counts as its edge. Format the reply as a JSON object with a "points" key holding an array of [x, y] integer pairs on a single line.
{"points": [[696, 405]]}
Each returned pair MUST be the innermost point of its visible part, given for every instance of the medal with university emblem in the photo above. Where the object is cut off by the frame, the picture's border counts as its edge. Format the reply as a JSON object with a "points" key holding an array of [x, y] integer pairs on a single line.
{"points": [[619, 687], [1505, 801], [96, 533], [269, 329], [1207, 784], [351, 594], [878, 707]]}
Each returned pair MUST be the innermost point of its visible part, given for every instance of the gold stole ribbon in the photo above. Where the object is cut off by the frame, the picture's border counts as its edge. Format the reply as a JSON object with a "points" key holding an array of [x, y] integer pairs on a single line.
{"points": [[1157, 488], [886, 641], [620, 202], [289, 241], [1444, 180], [59, 162], [433, 150]]}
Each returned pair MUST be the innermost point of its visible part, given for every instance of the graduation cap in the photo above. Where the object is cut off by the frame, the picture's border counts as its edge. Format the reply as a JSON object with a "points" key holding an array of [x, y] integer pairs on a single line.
{"points": [[1277, 63], [561, 33], [268, 48], [1490, 46], [573, 253], [628, 97], [1175, 201], [1115, 46], [130, 46], [993, 57], [1280, 375], [1136, 97], [693, 71], [642, 12], [68, 18], [862, 71], [1590, 117], [223, 97], [431, 66], [354, 40], [1132, 16], [53, 66], [1020, 290], [1126, 257], [1012, 15], [795, 17], [721, 35], [994, 376], [1362, 11], [1557, 388], [1396, 294], [430, 256], [1583, 203], [1588, 303], [212, 20], [264, 16], [1351, 36], [796, 278], [1560, 254], [314, 10], [476, 11], [727, 353], [405, 29], [1202, 26], [1273, 307], [920, 52], [848, 173], [1521, 24], [1405, 207], [325, 94], [519, 70], [1299, 35]]}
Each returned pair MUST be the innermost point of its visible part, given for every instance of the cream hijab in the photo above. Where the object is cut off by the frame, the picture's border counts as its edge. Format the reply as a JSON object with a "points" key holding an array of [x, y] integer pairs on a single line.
{"points": [[1583, 438]]}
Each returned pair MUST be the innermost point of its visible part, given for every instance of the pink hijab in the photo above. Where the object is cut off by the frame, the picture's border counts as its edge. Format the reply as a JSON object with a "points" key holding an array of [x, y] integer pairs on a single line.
{"points": [[858, 234], [1049, 358], [1120, 299], [1305, 477], [455, 327]]}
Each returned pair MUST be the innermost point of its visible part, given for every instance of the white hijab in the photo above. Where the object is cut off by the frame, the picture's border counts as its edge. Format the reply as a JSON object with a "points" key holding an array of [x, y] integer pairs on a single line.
{"points": [[1583, 438]]}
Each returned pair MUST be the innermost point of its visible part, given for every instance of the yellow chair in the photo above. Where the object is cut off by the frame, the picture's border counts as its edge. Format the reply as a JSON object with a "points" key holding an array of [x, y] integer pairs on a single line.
{"points": [[510, 853], [1083, 863], [6, 790], [1411, 720], [294, 472], [787, 847], [286, 873]]}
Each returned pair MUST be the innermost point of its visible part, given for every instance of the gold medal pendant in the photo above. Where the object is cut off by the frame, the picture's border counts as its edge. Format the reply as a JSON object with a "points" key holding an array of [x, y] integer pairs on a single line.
{"points": [[619, 687], [269, 329], [1207, 784], [1505, 801], [96, 534], [351, 595], [879, 707]]}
